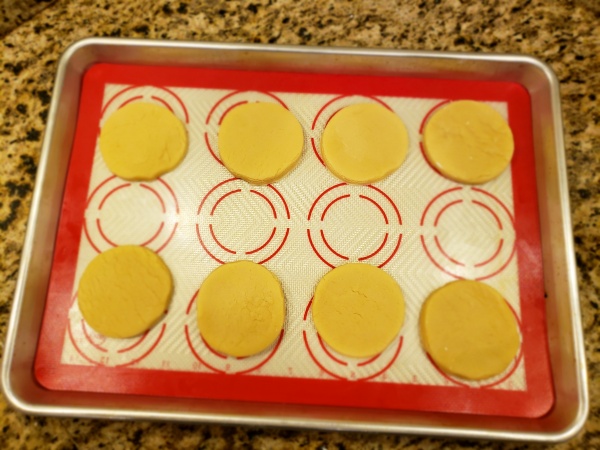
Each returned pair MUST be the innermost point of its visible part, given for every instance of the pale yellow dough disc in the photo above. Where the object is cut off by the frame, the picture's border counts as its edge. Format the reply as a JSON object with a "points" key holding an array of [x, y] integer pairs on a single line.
{"points": [[364, 143], [358, 309], [142, 141], [468, 142], [468, 330], [240, 308], [260, 142], [124, 291]]}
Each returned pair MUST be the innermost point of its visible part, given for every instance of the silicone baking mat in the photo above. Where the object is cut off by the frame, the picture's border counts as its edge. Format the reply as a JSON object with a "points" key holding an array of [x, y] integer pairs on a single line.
{"points": [[421, 228]]}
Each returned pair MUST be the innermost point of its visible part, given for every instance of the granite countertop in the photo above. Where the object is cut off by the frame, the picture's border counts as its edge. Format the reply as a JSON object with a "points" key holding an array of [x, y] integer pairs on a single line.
{"points": [[15, 12], [564, 34]]}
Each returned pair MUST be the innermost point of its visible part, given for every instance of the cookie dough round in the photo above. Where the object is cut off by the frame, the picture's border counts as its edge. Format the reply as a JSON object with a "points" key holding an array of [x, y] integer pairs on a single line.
{"points": [[240, 308], [142, 141], [124, 291], [468, 142], [468, 330], [358, 310], [364, 143], [260, 142]]}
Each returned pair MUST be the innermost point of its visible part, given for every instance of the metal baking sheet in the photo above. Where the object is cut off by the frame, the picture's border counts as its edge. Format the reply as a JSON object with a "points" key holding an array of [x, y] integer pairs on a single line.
{"points": [[397, 64]]}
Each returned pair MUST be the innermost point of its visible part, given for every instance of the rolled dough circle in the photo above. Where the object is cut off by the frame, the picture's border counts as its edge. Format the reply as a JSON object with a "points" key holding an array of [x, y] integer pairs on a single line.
{"points": [[364, 143], [240, 308], [124, 291], [142, 141], [468, 142], [468, 330], [260, 142], [358, 309]]}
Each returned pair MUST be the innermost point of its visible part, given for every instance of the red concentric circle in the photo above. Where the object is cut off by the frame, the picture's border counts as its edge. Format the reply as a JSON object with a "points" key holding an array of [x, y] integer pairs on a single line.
{"points": [[123, 213], [468, 233], [235, 219], [100, 350], [344, 214], [160, 95]]}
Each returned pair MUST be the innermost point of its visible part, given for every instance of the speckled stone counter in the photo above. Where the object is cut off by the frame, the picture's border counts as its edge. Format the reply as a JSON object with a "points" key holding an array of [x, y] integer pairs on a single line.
{"points": [[563, 34], [15, 12]]}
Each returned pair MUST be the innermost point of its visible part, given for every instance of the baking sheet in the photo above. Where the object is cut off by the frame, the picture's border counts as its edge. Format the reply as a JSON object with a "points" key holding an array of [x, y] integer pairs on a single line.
{"points": [[421, 228]]}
